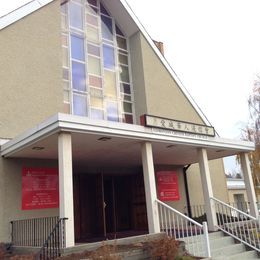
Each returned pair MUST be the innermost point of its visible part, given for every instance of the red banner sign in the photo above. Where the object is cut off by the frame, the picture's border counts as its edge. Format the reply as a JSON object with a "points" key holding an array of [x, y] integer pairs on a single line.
{"points": [[167, 186], [40, 188]]}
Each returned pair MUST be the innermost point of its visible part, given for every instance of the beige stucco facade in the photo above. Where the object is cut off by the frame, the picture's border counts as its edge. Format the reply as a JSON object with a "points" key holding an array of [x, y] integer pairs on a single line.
{"points": [[30, 71], [11, 193], [218, 179], [155, 90]]}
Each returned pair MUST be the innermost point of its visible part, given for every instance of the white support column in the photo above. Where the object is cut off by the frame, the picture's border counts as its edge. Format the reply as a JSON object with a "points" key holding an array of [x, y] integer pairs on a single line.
{"points": [[66, 186], [150, 188], [250, 190], [207, 189]]}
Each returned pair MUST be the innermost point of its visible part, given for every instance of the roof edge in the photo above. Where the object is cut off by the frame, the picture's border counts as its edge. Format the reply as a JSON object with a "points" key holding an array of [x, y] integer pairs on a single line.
{"points": [[21, 12]]}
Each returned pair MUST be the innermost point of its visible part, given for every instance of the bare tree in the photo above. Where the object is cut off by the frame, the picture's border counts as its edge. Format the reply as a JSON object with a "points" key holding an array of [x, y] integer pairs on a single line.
{"points": [[252, 132]]}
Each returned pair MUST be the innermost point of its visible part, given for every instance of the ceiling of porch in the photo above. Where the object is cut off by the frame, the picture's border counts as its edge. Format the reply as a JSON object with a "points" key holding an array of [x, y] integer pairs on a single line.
{"points": [[105, 151]]}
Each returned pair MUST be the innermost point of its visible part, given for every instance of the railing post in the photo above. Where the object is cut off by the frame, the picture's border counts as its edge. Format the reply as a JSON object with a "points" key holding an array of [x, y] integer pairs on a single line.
{"points": [[206, 237]]}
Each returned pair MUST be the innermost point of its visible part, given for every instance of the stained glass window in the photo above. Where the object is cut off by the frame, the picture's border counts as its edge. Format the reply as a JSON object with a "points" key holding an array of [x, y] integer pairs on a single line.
{"points": [[95, 56]]}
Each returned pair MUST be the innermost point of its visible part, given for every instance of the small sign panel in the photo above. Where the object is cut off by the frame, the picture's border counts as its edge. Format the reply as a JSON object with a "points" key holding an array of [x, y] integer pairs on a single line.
{"points": [[167, 186], [176, 125], [40, 188]]}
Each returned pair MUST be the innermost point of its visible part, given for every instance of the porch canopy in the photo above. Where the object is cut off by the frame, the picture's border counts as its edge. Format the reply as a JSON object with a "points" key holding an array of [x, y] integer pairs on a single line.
{"points": [[88, 143], [116, 144]]}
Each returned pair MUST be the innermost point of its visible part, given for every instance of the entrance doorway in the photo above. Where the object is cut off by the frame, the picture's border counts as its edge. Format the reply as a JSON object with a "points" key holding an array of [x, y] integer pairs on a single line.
{"points": [[109, 206]]}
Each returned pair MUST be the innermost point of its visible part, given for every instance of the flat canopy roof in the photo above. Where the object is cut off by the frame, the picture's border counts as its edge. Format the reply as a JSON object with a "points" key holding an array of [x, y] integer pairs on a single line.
{"points": [[116, 144]]}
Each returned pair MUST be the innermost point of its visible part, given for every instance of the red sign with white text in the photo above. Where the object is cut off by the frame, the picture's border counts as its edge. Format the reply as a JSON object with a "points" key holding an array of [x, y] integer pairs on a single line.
{"points": [[40, 188], [167, 186]]}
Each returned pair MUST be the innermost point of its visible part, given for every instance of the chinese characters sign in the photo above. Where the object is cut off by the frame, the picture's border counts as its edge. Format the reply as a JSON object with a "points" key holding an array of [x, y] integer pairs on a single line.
{"points": [[176, 125], [40, 188], [167, 186]]}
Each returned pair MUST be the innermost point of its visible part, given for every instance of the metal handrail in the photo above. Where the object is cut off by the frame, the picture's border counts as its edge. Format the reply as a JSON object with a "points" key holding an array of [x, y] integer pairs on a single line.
{"points": [[181, 227], [179, 213], [233, 208], [55, 241], [32, 232], [238, 224]]}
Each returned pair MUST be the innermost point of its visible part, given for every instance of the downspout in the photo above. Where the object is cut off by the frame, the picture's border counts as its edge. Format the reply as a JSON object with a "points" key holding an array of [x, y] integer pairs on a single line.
{"points": [[187, 190]]}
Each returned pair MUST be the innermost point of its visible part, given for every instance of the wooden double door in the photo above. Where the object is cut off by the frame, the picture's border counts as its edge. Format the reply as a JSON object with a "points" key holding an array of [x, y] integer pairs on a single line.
{"points": [[108, 206]]}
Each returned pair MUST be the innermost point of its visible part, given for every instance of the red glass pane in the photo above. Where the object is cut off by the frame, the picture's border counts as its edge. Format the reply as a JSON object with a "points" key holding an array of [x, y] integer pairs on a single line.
{"points": [[95, 81], [128, 119]]}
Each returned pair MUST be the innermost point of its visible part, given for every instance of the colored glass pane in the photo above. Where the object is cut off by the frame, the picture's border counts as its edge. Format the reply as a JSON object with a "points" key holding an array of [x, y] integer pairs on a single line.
{"points": [[76, 15], [97, 114], [94, 66], [123, 59], [110, 83], [78, 76], [79, 105], [121, 43], [77, 48], [94, 50], [95, 81], [112, 111], [107, 28], [109, 57], [92, 34], [124, 74]]}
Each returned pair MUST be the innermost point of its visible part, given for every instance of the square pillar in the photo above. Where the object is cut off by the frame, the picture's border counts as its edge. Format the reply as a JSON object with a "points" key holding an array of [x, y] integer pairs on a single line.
{"points": [[207, 189], [66, 186], [150, 188], [250, 190]]}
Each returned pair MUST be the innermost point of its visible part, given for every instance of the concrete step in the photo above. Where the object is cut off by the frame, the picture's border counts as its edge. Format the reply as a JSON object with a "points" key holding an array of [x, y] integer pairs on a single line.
{"points": [[216, 242], [220, 242], [216, 234], [248, 255], [228, 250]]}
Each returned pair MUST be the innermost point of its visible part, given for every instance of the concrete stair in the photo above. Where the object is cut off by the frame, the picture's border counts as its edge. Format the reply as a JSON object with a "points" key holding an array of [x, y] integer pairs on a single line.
{"points": [[224, 248]]}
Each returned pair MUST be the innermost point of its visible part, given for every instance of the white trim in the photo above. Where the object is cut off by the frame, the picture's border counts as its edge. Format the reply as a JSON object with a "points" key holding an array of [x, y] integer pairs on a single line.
{"points": [[21, 12], [3, 141], [71, 123]]}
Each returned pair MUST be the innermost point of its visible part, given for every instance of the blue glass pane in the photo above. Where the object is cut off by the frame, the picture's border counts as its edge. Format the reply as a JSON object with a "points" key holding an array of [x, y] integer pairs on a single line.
{"points": [[76, 15], [79, 105], [112, 111], [103, 10], [78, 76], [109, 57], [77, 48], [97, 114], [107, 28]]}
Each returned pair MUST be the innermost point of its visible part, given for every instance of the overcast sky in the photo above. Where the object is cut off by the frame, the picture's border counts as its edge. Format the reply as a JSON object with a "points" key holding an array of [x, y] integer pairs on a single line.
{"points": [[212, 45]]}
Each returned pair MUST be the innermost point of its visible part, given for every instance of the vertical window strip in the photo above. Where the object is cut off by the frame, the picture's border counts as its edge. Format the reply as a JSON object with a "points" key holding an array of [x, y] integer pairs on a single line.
{"points": [[93, 15]]}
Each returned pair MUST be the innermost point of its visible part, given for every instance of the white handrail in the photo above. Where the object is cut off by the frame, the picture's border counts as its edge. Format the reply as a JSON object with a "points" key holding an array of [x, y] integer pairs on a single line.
{"points": [[238, 224], [181, 227], [179, 213], [231, 207]]}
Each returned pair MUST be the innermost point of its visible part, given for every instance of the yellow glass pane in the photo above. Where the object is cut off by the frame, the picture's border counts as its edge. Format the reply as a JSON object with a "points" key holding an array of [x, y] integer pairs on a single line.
{"points": [[95, 92], [94, 65], [96, 102], [110, 83], [92, 34]]}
